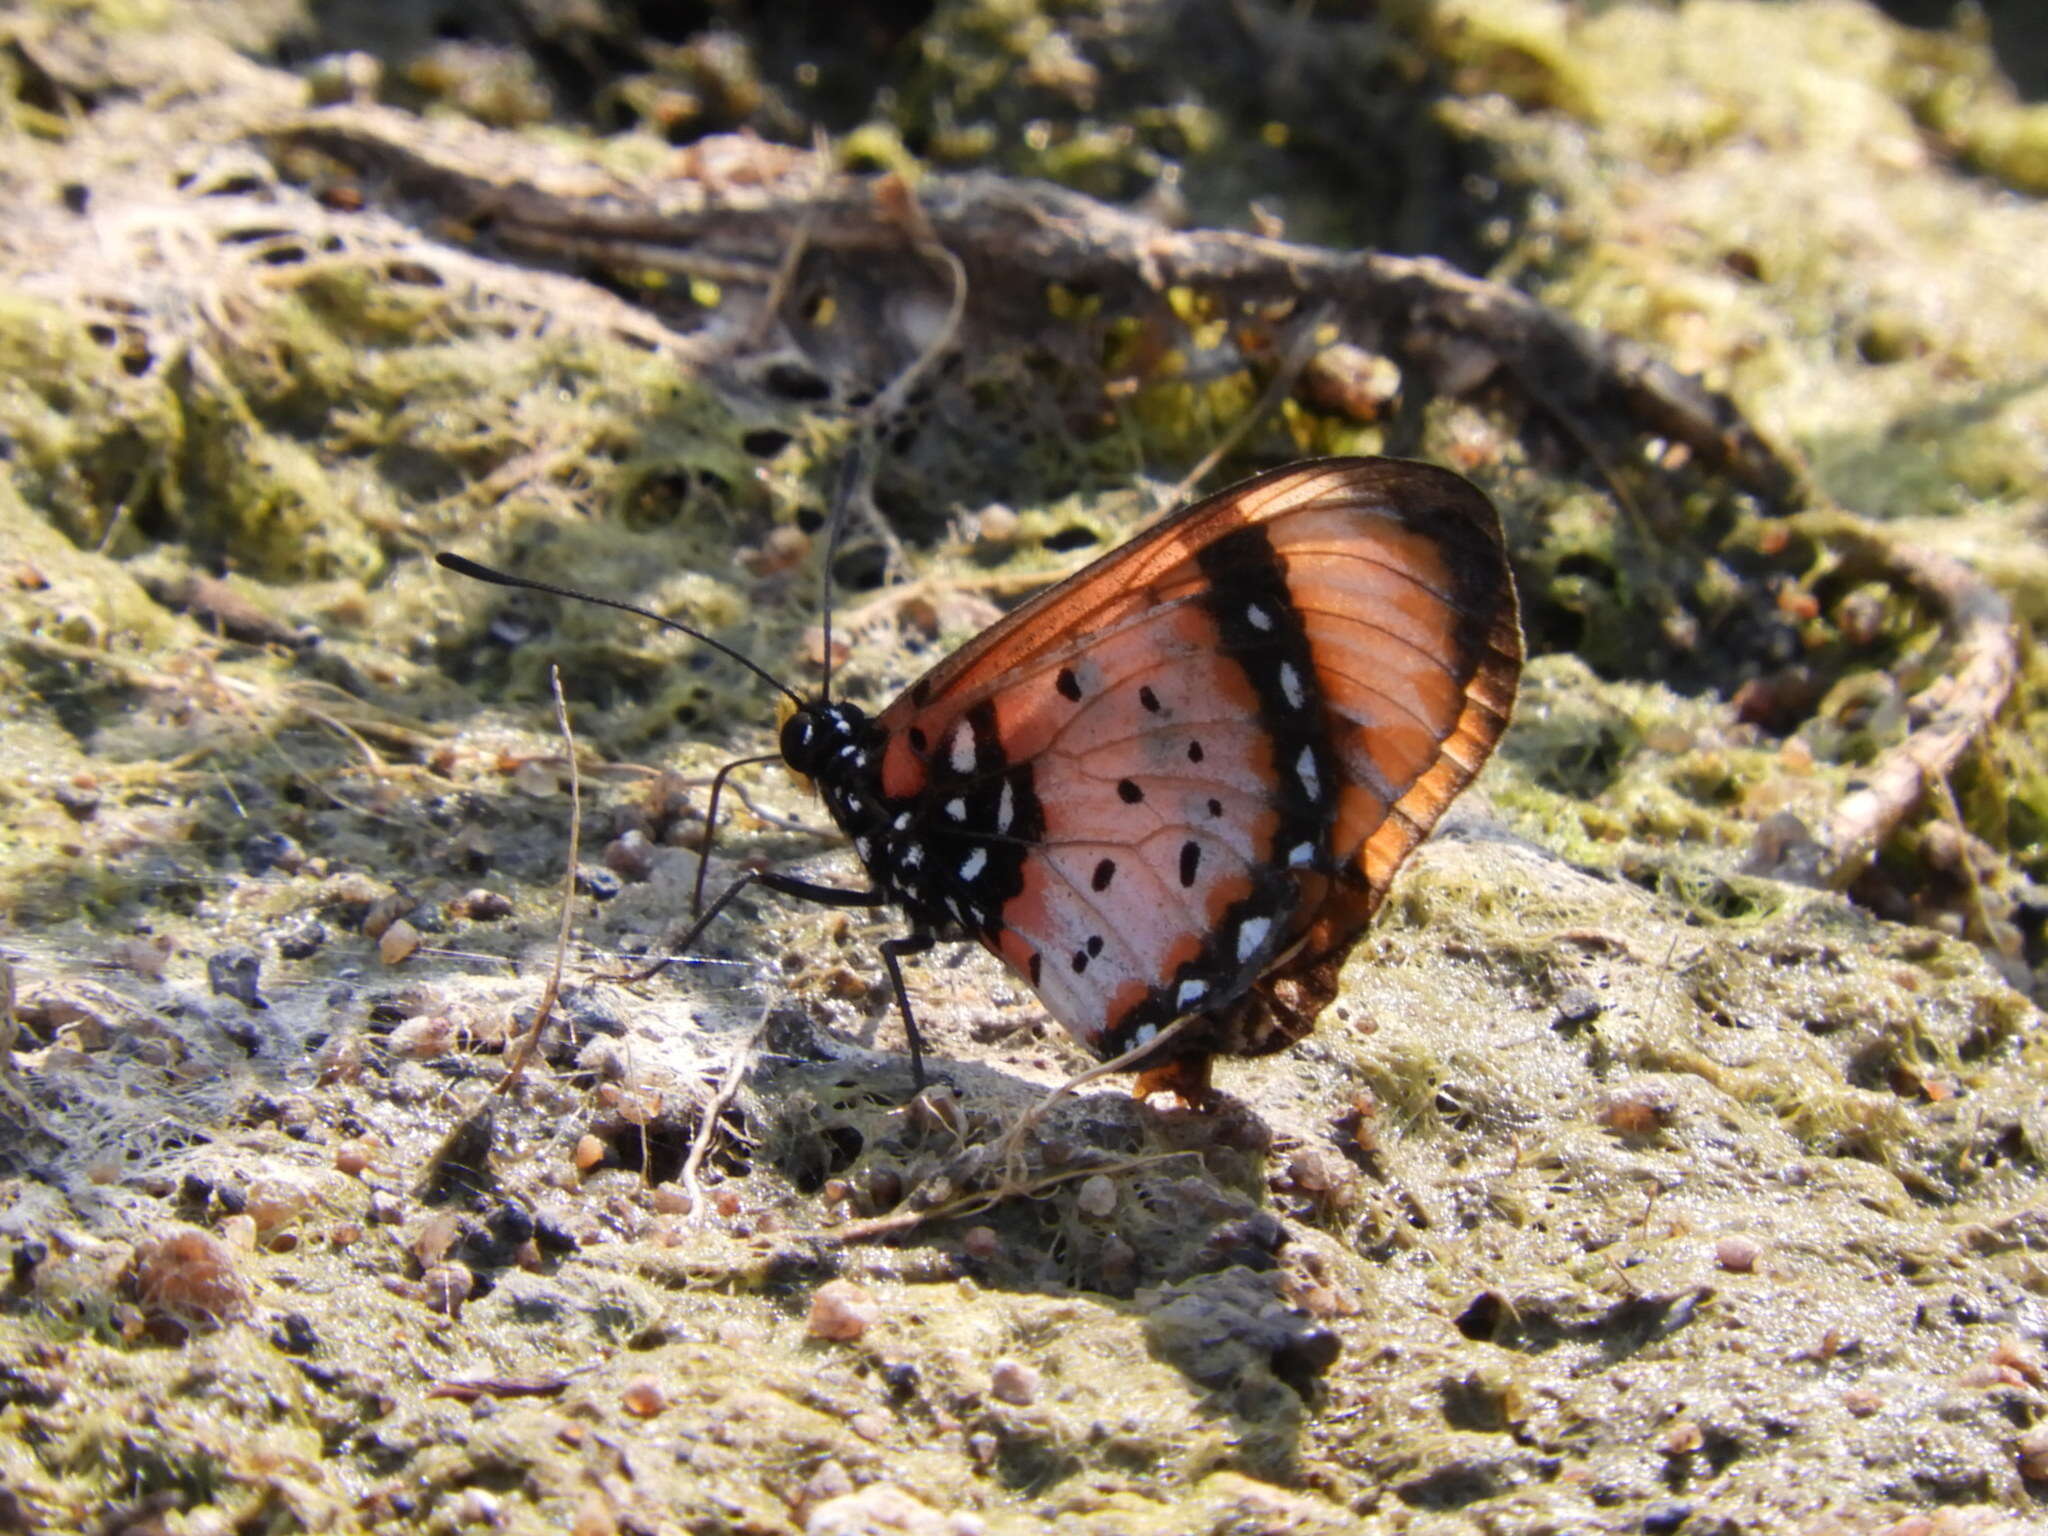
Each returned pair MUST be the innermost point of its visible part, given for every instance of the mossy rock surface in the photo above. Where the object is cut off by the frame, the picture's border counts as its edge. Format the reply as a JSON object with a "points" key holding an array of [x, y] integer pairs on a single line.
{"points": [[1625, 1187]]}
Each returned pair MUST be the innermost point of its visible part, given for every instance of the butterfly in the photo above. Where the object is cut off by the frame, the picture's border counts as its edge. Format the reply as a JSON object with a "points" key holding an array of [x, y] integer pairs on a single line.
{"points": [[1176, 786]]}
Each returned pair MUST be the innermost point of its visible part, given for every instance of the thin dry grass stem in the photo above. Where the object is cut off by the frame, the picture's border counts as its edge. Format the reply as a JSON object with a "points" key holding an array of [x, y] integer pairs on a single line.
{"points": [[1945, 802], [707, 1128], [523, 1052], [792, 257], [1012, 1187], [910, 216], [1665, 971], [1009, 1147], [9, 1029], [1299, 350]]}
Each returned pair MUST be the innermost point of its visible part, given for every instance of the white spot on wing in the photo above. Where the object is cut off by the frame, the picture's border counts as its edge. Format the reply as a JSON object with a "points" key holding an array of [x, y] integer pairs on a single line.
{"points": [[972, 866], [913, 856], [1304, 855], [1305, 770], [1144, 1034], [1258, 617], [956, 809], [1191, 993], [1006, 808], [1290, 684], [963, 748], [1251, 933]]}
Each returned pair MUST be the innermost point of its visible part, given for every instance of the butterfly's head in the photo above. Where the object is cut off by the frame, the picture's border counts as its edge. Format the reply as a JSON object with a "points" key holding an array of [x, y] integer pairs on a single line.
{"points": [[819, 735]]}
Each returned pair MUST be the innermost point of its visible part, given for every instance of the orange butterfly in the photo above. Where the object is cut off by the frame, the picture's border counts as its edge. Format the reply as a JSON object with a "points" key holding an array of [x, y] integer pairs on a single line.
{"points": [[1180, 781], [1177, 785]]}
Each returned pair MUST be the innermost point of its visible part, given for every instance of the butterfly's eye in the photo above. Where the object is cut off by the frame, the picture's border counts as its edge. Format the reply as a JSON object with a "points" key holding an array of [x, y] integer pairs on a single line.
{"points": [[802, 736]]}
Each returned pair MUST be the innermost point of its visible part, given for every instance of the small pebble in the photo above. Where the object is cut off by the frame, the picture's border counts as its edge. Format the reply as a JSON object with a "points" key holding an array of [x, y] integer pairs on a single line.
{"points": [[536, 778], [476, 1507], [996, 524], [880, 1509], [1098, 1196], [982, 1243], [301, 938], [842, 1311], [1012, 1381], [265, 851], [871, 1425], [237, 973], [386, 1209], [1862, 1401], [2012, 1355], [352, 1158], [593, 1516], [481, 905], [830, 1481], [274, 1203], [1738, 1254], [643, 1397], [1682, 1439], [672, 1200], [145, 957], [426, 1038], [1352, 381], [1119, 1265], [436, 1236], [630, 855], [1311, 1172], [447, 1287], [589, 1152], [2033, 1454], [397, 943], [383, 910], [1637, 1109], [1579, 1005]]}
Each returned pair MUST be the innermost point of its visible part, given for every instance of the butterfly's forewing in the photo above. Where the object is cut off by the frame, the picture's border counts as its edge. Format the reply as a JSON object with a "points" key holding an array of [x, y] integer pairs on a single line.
{"points": [[1184, 777]]}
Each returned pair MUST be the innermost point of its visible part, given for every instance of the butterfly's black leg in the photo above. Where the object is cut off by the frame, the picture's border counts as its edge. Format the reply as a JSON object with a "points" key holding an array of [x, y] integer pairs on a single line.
{"points": [[787, 885], [893, 951]]}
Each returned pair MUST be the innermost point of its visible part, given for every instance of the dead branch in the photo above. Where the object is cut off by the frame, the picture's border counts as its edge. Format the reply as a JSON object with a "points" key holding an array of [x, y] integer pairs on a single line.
{"points": [[1014, 239], [1953, 712]]}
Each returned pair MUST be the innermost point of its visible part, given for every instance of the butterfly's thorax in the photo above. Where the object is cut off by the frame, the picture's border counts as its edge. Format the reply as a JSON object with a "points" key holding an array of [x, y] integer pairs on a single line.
{"points": [[842, 752]]}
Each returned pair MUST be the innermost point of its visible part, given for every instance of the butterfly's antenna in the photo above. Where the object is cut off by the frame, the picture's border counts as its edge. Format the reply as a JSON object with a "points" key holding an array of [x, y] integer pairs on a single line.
{"points": [[465, 567], [850, 475]]}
